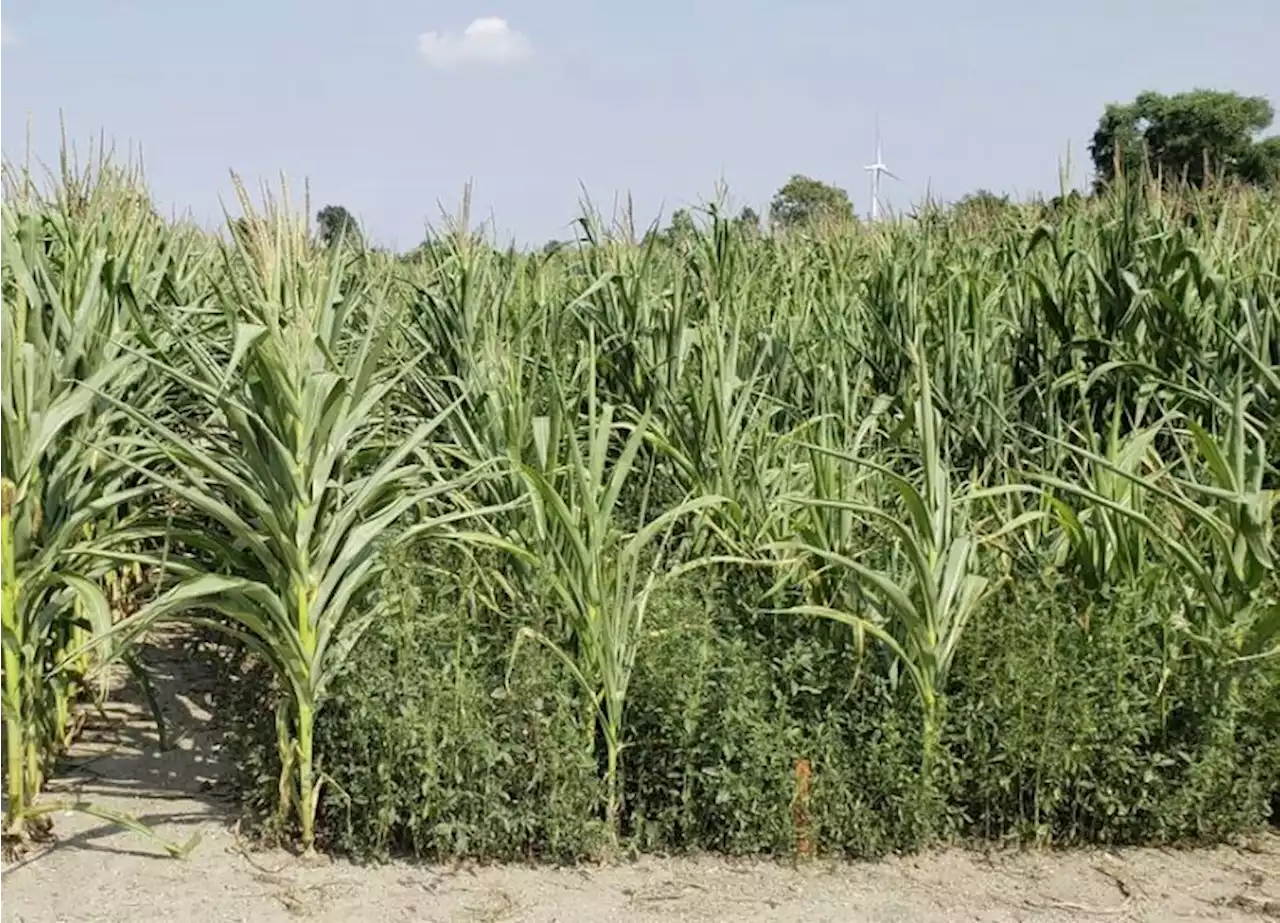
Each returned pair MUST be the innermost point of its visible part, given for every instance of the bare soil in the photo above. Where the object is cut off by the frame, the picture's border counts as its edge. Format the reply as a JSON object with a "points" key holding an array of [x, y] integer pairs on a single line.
{"points": [[94, 872]]}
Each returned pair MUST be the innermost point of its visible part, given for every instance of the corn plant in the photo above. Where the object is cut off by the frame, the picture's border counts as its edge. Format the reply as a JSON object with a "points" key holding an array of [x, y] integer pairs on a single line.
{"points": [[295, 473], [72, 267], [1219, 527], [920, 619], [600, 571], [1105, 546], [720, 429]]}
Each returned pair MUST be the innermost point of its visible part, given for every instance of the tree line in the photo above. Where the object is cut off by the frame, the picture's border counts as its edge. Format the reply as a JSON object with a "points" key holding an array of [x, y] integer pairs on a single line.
{"points": [[1192, 137]]}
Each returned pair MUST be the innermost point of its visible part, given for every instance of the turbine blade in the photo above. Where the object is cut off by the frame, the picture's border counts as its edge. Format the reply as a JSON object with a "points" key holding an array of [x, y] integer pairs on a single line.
{"points": [[887, 172]]}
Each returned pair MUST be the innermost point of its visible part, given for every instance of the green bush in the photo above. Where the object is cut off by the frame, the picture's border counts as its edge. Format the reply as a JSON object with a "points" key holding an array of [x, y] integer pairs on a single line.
{"points": [[1082, 720], [726, 703], [432, 753], [1070, 719]]}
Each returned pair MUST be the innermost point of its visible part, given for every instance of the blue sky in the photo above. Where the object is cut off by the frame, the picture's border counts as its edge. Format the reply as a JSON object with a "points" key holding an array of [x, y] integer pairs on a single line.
{"points": [[660, 99]]}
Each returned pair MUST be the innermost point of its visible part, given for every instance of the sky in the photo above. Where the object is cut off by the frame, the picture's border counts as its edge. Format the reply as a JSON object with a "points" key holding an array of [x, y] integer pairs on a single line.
{"points": [[390, 107]]}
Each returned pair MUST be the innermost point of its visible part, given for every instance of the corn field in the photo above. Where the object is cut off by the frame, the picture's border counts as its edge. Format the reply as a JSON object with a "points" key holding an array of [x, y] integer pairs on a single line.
{"points": [[876, 436]]}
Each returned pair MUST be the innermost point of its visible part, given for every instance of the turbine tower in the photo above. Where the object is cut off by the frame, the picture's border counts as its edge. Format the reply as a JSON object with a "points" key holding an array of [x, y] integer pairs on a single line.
{"points": [[876, 170]]}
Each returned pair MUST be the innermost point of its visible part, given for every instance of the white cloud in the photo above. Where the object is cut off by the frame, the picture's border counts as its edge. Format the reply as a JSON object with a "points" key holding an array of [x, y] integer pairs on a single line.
{"points": [[488, 40]]}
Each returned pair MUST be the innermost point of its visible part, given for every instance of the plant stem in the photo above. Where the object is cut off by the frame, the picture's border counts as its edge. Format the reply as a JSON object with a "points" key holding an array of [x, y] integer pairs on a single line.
{"points": [[306, 787], [932, 732], [611, 810], [304, 710], [15, 729], [931, 746]]}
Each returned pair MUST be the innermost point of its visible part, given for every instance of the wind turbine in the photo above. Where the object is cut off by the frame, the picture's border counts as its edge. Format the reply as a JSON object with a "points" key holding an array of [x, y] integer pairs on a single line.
{"points": [[876, 169]]}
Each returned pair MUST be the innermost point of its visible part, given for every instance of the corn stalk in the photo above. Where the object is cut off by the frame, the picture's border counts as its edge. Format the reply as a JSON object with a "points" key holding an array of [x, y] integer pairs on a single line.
{"points": [[600, 572], [298, 479], [920, 619], [73, 266]]}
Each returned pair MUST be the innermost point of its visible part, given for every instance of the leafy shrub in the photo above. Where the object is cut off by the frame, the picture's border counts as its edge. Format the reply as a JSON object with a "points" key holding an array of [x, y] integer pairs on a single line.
{"points": [[1070, 719], [433, 754], [709, 762], [1081, 720], [726, 703]]}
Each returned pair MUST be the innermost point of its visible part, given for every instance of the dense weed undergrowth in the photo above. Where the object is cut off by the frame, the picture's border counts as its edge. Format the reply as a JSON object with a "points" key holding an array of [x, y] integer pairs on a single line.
{"points": [[1069, 721]]}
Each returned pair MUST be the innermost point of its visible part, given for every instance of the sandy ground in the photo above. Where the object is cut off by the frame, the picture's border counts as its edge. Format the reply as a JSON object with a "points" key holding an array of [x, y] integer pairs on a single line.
{"points": [[94, 873]]}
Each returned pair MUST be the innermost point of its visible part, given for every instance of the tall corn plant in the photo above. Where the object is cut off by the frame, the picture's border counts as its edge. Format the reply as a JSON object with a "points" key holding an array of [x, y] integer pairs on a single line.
{"points": [[297, 475], [600, 570], [1237, 511], [1216, 521], [72, 264], [719, 430], [1103, 545], [919, 618], [1219, 515]]}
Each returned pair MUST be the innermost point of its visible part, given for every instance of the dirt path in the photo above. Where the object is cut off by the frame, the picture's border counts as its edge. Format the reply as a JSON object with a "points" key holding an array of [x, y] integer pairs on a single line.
{"points": [[93, 873]]}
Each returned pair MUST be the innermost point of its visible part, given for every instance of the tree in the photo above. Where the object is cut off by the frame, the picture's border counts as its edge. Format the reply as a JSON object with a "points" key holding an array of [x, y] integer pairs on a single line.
{"points": [[682, 228], [748, 221], [1062, 205], [336, 223], [1261, 165], [982, 204], [1193, 135], [802, 201]]}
